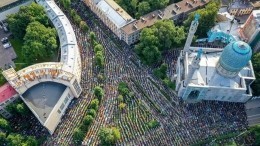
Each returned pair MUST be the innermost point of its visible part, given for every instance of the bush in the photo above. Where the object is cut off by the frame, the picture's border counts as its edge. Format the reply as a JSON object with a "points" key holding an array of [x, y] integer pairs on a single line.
{"points": [[94, 104], [153, 124]]}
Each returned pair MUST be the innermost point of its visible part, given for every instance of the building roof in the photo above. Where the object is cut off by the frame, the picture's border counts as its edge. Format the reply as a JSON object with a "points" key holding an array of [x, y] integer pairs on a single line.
{"points": [[240, 4], [42, 98], [166, 13], [6, 92], [206, 75], [69, 49], [6, 2], [114, 12]]}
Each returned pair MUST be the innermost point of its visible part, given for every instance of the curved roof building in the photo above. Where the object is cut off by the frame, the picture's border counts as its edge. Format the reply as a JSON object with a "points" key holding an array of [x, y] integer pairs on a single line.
{"points": [[47, 88], [234, 57]]}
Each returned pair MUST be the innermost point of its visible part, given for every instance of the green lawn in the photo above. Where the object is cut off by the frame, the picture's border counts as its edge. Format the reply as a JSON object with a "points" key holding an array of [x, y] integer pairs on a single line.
{"points": [[19, 61]]}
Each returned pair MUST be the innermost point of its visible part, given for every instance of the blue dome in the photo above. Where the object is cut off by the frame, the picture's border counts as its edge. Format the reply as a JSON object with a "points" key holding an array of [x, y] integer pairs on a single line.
{"points": [[235, 56]]}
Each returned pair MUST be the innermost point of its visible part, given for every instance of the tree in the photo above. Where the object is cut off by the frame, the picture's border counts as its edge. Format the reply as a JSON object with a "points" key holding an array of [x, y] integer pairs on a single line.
{"points": [[3, 137], [39, 42], [77, 136], [122, 106], [4, 124], [66, 4], [2, 78], [77, 19], [31, 141], [207, 19], [92, 112], [161, 72], [109, 136], [14, 139], [18, 22], [98, 92], [143, 8], [98, 48], [153, 124], [163, 35], [92, 37], [83, 26], [158, 4], [88, 120], [120, 98], [99, 59], [94, 104], [123, 88], [22, 109], [256, 65]]}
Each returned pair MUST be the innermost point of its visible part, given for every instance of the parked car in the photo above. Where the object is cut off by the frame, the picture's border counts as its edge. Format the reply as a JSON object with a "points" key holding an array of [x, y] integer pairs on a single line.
{"points": [[4, 40], [6, 29], [7, 45]]}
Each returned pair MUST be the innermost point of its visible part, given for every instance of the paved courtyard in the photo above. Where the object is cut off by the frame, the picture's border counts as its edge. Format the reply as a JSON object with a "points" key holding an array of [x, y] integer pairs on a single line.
{"points": [[6, 55]]}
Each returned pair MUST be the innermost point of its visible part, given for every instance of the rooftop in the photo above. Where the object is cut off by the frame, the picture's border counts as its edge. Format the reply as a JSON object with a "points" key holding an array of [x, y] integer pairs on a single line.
{"points": [[166, 13], [240, 4], [114, 12], [6, 92], [42, 98], [206, 75], [6, 2]]}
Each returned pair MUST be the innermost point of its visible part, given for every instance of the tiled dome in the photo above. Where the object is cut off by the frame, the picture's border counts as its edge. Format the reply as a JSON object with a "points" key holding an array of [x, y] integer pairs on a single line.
{"points": [[235, 56]]}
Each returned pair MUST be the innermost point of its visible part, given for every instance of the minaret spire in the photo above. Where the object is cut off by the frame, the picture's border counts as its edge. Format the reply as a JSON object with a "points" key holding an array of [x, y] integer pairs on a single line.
{"points": [[193, 29], [194, 65]]}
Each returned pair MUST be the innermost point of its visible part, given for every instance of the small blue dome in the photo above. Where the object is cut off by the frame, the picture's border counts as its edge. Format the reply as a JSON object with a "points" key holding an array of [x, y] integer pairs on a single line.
{"points": [[235, 56]]}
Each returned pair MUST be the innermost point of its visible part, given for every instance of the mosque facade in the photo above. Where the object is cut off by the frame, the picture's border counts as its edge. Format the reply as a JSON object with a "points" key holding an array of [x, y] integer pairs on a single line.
{"points": [[223, 74]]}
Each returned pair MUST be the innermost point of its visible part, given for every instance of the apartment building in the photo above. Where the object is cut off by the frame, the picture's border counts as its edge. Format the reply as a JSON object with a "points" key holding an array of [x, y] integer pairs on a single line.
{"points": [[250, 31], [111, 14], [127, 28], [7, 96], [176, 12]]}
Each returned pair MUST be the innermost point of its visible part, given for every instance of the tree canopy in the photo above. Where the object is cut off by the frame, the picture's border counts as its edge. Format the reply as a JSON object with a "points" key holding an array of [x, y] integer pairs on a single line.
{"points": [[123, 88], [256, 65], [136, 8], [14, 139], [163, 35], [18, 22], [4, 124], [94, 104], [39, 41], [98, 92], [109, 136], [207, 19], [77, 135]]}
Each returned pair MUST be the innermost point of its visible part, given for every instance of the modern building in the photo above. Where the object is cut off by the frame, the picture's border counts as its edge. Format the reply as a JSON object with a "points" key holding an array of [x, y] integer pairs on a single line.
{"points": [[110, 13], [128, 29], [47, 88], [240, 7], [223, 74], [250, 31], [8, 7], [7, 95]]}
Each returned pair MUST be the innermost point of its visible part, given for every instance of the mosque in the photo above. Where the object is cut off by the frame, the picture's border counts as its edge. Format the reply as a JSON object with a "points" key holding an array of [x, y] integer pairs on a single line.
{"points": [[223, 74]]}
